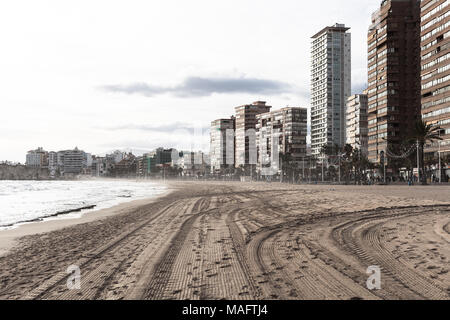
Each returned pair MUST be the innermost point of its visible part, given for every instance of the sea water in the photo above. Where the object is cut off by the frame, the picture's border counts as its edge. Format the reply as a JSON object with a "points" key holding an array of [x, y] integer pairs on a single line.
{"points": [[25, 201]]}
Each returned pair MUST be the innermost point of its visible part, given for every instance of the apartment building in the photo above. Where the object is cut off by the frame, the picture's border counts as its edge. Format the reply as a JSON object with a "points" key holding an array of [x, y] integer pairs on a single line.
{"points": [[222, 146], [288, 128], [72, 161], [37, 158], [330, 86], [194, 164], [393, 74], [126, 167], [435, 69], [53, 163], [356, 126], [245, 141]]}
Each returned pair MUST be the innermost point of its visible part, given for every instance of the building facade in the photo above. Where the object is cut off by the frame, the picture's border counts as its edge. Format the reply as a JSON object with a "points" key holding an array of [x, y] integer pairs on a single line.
{"points": [[194, 164], [356, 127], [151, 162], [143, 165], [393, 75], [330, 86], [222, 144], [72, 162], [37, 158], [245, 141], [161, 157], [53, 163], [288, 127], [126, 167], [435, 69]]}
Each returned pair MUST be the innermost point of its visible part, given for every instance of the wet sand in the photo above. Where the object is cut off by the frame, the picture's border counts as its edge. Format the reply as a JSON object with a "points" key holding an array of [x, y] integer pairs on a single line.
{"points": [[9, 237], [242, 241]]}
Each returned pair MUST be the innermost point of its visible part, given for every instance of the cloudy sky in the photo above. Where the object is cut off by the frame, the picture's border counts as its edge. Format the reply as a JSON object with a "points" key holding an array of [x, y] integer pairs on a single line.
{"points": [[103, 75]]}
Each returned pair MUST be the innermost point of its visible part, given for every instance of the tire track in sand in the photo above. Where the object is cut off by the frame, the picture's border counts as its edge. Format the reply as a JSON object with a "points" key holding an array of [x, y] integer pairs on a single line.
{"points": [[100, 265], [361, 237], [164, 267]]}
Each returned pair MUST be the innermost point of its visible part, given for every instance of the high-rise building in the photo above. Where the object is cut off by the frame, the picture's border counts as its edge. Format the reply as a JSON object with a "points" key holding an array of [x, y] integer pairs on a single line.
{"points": [[356, 127], [330, 86], [288, 127], [393, 74], [435, 74], [37, 158], [222, 144], [245, 154]]}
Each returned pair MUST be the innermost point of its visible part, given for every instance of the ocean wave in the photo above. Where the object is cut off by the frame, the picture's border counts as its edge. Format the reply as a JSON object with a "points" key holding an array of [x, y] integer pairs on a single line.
{"points": [[25, 201]]}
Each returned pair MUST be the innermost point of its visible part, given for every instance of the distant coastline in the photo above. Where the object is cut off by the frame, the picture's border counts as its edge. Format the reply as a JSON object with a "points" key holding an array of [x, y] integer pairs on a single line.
{"points": [[22, 172]]}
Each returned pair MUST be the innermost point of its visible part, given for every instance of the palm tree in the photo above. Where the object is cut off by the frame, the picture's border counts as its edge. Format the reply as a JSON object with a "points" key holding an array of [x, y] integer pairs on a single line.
{"points": [[286, 164], [422, 134], [330, 150]]}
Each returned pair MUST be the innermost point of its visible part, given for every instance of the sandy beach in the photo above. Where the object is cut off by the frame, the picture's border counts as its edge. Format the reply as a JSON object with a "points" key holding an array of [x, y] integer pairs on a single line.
{"points": [[249, 241]]}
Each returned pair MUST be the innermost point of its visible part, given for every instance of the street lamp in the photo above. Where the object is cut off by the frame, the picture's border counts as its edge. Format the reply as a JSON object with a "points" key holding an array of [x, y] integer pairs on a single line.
{"points": [[323, 178], [418, 161], [439, 153], [383, 161], [303, 169]]}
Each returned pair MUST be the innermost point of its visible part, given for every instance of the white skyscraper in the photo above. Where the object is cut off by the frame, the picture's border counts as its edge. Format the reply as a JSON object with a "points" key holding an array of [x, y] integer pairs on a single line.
{"points": [[330, 86]]}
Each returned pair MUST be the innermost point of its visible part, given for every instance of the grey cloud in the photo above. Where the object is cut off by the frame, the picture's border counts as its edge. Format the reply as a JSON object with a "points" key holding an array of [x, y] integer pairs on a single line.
{"points": [[197, 87], [358, 88], [166, 128], [142, 145]]}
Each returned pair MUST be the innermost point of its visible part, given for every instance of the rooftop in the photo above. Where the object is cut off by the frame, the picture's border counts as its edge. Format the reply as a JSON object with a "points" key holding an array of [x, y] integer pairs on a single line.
{"points": [[337, 27]]}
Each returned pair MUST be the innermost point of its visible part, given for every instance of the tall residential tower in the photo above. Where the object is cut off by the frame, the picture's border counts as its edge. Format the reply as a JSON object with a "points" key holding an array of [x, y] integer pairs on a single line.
{"points": [[330, 86], [393, 74], [435, 55]]}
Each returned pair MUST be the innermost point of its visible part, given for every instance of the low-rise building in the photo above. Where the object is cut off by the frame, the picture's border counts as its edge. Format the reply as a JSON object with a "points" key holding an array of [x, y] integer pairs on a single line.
{"points": [[144, 165], [126, 167], [53, 164]]}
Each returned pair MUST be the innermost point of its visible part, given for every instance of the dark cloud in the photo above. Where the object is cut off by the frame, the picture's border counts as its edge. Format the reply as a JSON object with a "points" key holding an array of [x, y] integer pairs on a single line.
{"points": [[197, 87]]}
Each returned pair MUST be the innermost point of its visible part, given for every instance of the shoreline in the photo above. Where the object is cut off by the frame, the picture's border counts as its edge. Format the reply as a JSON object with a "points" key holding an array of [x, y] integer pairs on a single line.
{"points": [[9, 237], [60, 214]]}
